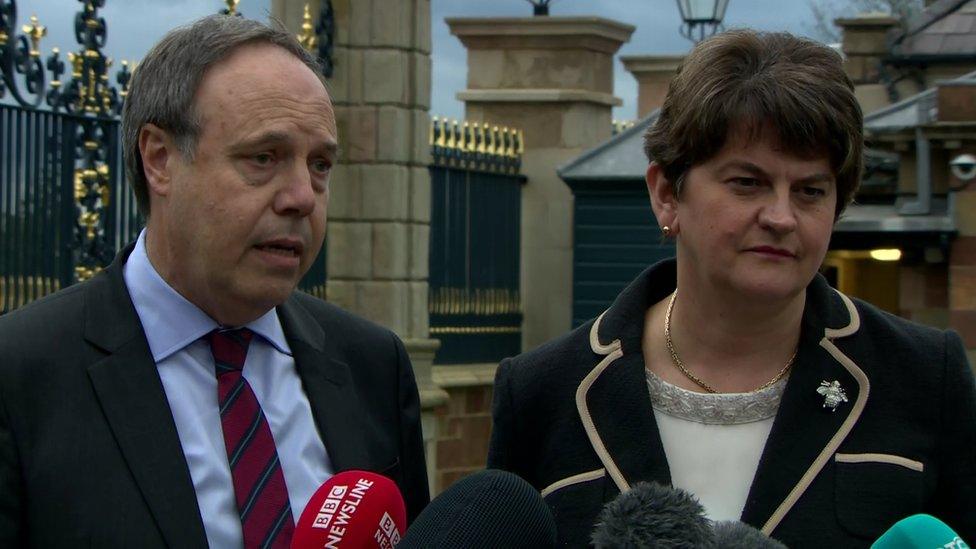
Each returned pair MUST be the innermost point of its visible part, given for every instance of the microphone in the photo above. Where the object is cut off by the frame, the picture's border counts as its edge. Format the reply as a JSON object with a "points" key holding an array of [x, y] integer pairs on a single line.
{"points": [[488, 509], [919, 531], [732, 534], [652, 515], [353, 509]]}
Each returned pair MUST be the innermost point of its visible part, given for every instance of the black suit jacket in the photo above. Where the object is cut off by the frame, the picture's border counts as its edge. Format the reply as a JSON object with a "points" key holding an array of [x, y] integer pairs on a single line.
{"points": [[89, 452], [574, 418]]}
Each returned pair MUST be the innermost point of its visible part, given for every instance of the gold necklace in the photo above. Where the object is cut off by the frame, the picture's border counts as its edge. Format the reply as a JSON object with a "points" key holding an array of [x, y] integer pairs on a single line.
{"points": [[681, 367]]}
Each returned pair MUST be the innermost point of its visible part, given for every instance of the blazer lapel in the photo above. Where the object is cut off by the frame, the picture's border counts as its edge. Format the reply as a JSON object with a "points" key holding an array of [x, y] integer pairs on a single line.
{"points": [[805, 434], [133, 400], [613, 400], [326, 380], [620, 407]]}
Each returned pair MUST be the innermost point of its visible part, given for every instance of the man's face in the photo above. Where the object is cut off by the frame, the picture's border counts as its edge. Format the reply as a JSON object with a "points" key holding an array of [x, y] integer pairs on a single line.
{"points": [[243, 221]]}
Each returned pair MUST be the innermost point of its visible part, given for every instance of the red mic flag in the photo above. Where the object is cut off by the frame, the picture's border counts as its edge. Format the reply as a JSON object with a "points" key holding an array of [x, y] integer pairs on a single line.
{"points": [[352, 509]]}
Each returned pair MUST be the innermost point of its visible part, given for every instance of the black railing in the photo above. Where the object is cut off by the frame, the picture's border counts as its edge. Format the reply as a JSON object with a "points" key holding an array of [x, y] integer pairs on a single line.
{"points": [[40, 230], [475, 306]]}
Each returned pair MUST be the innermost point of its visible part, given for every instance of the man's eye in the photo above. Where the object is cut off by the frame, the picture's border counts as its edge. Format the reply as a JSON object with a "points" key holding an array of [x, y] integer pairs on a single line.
{"points": [[321, 166], [262, 159], [813, 192]]}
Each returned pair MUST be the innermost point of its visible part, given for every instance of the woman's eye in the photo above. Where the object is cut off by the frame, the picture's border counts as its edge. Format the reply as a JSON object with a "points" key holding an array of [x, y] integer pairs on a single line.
{"points": [[745, 182]]}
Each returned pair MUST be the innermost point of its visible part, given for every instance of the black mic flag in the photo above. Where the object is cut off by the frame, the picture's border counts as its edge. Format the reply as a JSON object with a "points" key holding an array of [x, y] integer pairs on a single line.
{"points": [[488, 509], [652, 515]]}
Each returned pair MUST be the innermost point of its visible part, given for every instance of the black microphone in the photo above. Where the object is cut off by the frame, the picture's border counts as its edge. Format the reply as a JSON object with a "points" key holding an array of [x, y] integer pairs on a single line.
{"points": [[651, 515], [732, 534], [488, 509]]}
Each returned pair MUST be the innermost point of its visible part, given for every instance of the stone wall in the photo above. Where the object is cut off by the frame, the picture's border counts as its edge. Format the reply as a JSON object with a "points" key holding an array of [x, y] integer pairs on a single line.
{"points": [[552, 77]]}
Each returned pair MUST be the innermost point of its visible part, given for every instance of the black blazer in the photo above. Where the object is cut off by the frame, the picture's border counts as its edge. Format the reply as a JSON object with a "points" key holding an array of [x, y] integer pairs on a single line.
{"points": [[89, 453], [574, 418]]}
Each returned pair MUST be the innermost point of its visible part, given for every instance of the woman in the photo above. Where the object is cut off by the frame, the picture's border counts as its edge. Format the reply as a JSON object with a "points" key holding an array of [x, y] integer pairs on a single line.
{"points": [[734, 371]]}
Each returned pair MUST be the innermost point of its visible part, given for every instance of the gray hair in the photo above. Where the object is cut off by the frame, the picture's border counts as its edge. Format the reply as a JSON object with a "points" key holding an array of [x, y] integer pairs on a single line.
{"points": [[165, 82]]}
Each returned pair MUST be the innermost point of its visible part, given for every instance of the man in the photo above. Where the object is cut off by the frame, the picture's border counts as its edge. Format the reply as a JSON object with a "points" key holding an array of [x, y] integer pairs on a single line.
{"points": [[188, 395]]}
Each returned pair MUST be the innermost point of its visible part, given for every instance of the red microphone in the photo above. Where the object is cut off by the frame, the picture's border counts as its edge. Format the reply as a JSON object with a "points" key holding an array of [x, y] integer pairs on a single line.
{"points": [[352, 509]]}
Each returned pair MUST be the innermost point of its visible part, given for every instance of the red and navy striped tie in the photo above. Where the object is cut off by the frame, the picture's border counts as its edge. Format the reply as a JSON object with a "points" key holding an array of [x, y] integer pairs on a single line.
{"points": [[259, 485]]}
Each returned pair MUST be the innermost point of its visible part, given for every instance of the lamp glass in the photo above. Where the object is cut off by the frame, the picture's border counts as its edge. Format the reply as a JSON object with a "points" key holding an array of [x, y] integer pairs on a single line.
{"points": [[702, 11]]}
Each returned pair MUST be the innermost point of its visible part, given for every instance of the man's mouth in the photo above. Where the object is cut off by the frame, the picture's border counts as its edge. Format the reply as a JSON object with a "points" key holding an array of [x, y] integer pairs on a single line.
{"points": [[282, 247]]}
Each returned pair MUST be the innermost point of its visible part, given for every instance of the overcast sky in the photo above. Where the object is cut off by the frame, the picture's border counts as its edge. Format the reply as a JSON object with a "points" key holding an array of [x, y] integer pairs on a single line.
{"points": [[134, 25]]}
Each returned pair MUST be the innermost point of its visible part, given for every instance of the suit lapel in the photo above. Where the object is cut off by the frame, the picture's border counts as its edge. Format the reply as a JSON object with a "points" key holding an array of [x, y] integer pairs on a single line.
{"points": [[327, 383], [805, 435], [133, 400]]}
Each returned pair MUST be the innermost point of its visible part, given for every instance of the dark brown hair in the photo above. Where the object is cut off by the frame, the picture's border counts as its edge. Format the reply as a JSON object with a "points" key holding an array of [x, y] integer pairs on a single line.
{"points": [[748, 81]]}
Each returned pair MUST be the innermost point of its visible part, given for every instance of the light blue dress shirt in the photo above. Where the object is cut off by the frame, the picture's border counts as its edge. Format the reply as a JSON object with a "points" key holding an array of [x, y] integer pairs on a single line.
{"points": [[173, 327]]}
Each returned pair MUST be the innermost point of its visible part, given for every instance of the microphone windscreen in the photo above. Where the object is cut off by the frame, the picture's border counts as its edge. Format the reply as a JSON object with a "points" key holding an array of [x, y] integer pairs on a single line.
{"points": [[919, 531], [353, 509], [651, 515], [732, 534], [488, 509]]}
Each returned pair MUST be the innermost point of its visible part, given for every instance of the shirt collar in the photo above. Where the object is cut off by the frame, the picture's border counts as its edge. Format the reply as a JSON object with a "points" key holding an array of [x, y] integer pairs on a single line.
{"points": [[169, 320]]}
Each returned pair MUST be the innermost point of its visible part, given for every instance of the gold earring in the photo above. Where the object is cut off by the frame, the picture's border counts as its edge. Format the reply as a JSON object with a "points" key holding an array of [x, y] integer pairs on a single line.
{"points": [[666, 231]]}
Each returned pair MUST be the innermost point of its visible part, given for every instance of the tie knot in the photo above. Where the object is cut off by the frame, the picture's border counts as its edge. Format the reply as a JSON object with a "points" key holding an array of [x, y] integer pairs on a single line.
{"points": [[229, 348]]}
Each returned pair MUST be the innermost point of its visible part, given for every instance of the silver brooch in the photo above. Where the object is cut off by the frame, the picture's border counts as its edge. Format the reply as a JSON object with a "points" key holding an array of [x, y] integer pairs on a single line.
{"points": [[833, 394]]}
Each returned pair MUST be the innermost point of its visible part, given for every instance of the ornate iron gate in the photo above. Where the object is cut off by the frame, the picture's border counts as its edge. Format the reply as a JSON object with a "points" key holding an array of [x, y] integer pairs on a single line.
{"points": [[475, 306], [65, 209]]}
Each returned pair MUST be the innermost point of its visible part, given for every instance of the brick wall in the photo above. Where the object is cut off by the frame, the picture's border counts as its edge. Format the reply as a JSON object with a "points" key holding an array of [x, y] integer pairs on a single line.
{"points": [[962, 293], [463, 423], [924, 294]]}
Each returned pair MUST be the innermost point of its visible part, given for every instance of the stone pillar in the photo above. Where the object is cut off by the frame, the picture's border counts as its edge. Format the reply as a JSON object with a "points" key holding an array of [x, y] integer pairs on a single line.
{"points": [[552, 77], [379, 210], [864, 43], [653, 74]]}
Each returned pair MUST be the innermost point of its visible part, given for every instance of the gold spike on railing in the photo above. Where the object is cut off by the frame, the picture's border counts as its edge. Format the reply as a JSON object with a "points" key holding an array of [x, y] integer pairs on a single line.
{"points": [[467, 140], [450, 130], [481, 137], [307, 37], [35, 31], [495, 145], [475, 145], [620, 126]]}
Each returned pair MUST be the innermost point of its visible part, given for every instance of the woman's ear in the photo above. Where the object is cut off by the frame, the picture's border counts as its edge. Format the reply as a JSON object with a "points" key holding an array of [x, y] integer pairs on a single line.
{"points": [[664, 202]]}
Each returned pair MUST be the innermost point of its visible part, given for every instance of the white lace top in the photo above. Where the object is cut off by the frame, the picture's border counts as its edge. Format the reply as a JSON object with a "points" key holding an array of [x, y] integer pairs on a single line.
{"points": [[713, 441]]}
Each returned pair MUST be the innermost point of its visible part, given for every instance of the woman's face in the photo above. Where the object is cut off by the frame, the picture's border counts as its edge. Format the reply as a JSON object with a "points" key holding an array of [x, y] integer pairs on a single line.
{"points": [[755, 220]]}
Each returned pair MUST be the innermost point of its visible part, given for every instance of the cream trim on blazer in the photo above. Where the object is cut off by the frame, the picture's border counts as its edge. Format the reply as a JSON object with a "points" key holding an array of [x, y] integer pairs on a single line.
{"points": [[889, 459], [575, 479], [613, 351], [845, 428]]}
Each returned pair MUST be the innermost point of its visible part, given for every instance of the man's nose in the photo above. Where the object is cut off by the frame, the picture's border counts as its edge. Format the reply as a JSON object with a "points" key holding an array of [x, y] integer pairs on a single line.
{"points": [[297, 195]]}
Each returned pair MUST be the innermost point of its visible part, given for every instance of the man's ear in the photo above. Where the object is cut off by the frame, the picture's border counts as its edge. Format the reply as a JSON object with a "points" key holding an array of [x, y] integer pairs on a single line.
{"points": [[664, 202], [156, 149]]}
